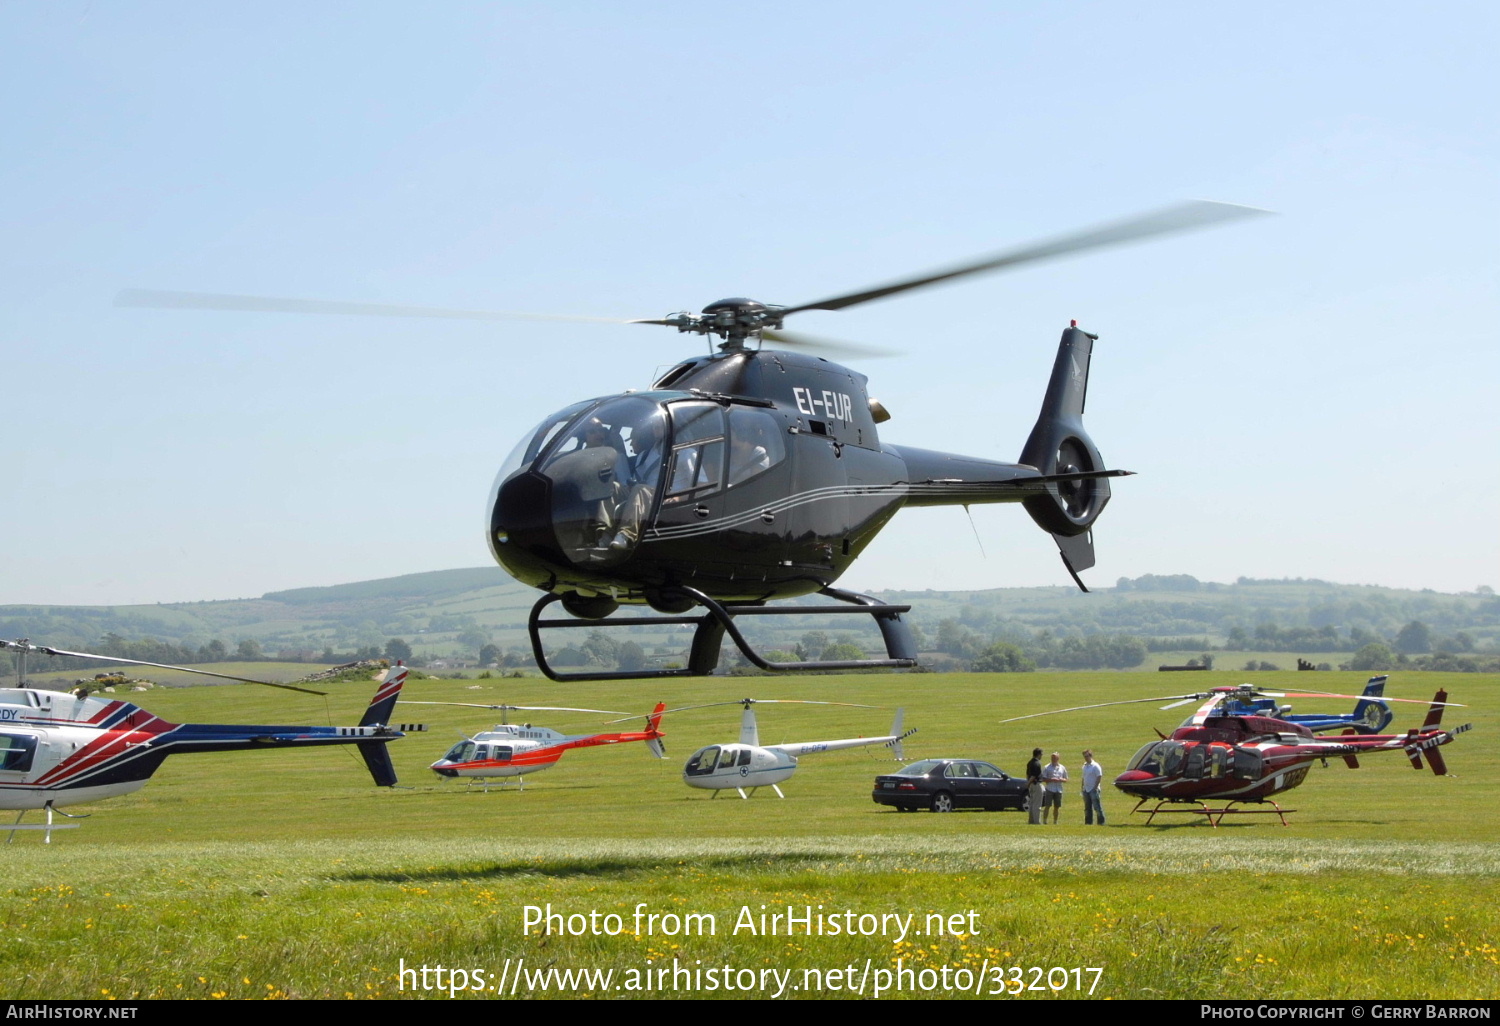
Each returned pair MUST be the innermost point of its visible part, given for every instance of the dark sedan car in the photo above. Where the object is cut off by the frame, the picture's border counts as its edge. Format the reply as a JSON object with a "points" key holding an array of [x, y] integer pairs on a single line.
{"points": [[943, 785]]}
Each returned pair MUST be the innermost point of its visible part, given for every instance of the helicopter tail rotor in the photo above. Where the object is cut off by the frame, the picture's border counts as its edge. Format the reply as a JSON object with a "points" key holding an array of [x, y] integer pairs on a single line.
{"points": [[1059, 445]]}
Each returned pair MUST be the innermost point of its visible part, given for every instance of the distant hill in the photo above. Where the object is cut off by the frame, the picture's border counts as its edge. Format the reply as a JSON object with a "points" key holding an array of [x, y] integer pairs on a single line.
{"points": [[450, 612], [410, 586]]}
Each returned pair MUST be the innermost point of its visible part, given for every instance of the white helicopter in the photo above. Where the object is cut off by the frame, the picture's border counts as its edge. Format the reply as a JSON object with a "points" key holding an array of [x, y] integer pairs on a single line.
{"points": [[65, 748], [748, 764], [515, 749]]}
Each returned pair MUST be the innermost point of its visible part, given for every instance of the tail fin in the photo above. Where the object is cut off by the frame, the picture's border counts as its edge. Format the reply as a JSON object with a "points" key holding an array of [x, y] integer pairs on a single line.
{"points": [[895, 746], [1434, 722], [384, 703], [1058, 444], [749, 729], [1435, 711], [378, 761], [653, 727], [1372, 714], [378, 714]]}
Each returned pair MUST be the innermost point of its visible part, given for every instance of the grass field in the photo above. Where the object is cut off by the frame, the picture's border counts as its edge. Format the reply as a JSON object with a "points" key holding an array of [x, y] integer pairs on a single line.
{"points": [[256, 875]]}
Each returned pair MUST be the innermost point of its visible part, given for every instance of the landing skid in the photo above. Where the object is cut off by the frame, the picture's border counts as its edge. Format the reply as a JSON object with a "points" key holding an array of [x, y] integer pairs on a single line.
{"points": [[747, 797], [1216, 816], [703, 657], [484, 783], [48, 826]]}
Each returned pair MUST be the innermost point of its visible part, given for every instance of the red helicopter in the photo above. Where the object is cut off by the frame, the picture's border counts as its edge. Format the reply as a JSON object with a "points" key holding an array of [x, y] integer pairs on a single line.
{"points": [[1247, 759], [516, 749]]}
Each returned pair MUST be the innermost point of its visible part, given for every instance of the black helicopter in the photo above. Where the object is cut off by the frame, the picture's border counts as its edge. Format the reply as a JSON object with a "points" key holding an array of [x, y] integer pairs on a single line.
{"points": [[752, 474]]}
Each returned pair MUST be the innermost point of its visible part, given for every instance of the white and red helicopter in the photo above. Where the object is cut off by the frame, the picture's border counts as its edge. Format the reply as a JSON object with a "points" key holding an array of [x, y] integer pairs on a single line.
{"points": [[1246, 759], [747, 764], [62, 748], [516, 749]]}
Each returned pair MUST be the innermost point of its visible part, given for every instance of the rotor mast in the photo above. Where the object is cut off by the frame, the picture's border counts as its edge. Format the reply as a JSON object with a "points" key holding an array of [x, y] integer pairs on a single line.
{"points": [[733, 320]]}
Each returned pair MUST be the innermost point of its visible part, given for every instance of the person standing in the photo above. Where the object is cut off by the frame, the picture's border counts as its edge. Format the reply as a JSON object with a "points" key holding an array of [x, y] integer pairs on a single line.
{"points": [[1054, 776], [1034, 787], [1093, 776]]}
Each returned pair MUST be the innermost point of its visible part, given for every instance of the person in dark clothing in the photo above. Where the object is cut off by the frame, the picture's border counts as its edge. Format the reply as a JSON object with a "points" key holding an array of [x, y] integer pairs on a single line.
{"points": [[1034, 786]]}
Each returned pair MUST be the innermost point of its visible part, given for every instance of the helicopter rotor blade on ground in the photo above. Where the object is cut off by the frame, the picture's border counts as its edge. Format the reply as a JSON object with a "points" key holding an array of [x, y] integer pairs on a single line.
{"points": [[1181, 218]]}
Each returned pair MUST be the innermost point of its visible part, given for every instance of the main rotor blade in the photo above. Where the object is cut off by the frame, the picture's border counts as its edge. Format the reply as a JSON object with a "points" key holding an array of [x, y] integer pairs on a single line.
{"points": [[1181, 218], [1101, 705], [158, 300], [815, 343], [1369, 698], [759, 701], [527, 708], [162, 666]]}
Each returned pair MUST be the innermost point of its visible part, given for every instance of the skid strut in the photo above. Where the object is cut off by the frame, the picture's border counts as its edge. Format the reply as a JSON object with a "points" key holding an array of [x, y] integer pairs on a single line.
{"points": [[48, 826], [718, 620], [1216, 816]]}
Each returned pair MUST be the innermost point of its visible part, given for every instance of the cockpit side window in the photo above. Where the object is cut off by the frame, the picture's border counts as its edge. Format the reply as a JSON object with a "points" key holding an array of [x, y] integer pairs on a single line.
{"points": [[703, 763], [755, 443], [461, 752], [1160, 758], [697, 450]]}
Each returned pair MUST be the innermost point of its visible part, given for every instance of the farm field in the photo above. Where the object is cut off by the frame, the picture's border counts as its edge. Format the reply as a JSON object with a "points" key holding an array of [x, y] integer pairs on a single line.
{"points": [[255, 875]]}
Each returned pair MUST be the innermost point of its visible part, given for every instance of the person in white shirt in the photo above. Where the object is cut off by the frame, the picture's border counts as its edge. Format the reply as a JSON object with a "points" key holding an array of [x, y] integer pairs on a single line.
{"points": [[1054, 776], [1093, 776]]}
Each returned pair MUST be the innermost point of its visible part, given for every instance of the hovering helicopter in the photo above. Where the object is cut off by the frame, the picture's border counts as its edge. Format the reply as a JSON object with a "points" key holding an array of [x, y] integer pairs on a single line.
{"points": [[1371, 715], [747, 764], [749, 475], [513, 750], [1246, 759], [60, 748]]}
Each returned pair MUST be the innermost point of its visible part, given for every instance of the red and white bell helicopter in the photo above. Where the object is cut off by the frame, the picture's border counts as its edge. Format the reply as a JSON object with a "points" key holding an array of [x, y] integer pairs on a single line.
{"points": [[747, 764], [515, 749], [59, 748], [1247, 759]]}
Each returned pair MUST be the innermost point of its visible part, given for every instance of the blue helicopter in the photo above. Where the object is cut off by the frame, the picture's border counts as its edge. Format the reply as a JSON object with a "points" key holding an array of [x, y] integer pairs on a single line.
{"points": [[1371, 715]]}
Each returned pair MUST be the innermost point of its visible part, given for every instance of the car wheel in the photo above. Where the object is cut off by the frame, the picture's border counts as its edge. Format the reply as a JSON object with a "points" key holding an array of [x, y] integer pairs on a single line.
{"points": [[942, 802]]}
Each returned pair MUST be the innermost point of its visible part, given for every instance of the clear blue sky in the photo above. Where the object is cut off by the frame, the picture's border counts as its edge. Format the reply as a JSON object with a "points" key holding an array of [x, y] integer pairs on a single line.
{"points": [[1308, 395]]}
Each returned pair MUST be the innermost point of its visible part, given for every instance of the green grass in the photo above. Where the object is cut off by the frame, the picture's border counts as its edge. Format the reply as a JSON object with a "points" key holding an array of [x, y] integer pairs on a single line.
{"points": [[289, 871]]}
